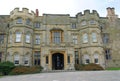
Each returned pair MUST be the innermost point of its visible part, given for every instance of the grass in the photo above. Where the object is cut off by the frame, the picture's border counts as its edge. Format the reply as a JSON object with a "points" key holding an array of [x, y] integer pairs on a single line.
{"points": [[112, 68]]}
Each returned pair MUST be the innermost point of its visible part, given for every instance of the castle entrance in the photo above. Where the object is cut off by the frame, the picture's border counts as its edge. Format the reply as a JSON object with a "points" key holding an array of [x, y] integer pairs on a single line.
{"points": [[57, 61]]}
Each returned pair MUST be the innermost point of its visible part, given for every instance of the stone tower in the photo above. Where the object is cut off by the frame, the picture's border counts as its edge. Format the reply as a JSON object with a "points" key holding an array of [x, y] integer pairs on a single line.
{"points": [[20, 45]]}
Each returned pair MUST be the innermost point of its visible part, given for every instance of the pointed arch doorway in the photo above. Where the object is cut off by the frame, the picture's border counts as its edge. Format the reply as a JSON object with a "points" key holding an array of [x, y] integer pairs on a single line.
{"points": [[57, 61]]}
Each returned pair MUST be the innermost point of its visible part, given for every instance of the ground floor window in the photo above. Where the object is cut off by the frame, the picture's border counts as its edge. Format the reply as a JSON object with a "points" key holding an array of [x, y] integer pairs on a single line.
{"points": [[47, 60], [76, 57], [0, 56], [108, 54], [37, 58], [16, 59], [68, 59]]}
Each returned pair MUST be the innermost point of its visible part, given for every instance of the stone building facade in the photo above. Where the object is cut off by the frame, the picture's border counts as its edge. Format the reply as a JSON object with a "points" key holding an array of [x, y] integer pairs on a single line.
{"points": [[58, 41]]}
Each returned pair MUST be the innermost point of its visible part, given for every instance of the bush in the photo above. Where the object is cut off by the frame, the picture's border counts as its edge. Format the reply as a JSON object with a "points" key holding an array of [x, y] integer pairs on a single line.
{"points": [[92, 67], [6, 67], [89, 67], [79, 66], [25, 70]]}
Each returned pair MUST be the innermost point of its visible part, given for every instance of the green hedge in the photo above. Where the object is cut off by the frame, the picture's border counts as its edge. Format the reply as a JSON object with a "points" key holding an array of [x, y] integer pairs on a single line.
{"points": [[25, 70], [88, 67], [6, 67]]}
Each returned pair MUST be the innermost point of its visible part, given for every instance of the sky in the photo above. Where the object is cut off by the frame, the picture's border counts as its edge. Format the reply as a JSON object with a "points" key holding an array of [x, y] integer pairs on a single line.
{"points": [[71, 7]]}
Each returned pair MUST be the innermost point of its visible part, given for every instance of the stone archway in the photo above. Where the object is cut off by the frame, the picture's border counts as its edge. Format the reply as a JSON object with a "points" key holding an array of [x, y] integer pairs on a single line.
{"points": [[57, 61]]}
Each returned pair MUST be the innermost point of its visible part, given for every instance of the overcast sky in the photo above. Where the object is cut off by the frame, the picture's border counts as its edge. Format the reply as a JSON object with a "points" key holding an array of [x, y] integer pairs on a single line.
{"points": [[71, 7]]}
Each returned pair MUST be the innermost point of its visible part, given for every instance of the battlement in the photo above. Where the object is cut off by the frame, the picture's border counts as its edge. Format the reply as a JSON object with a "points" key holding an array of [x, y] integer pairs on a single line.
{"points": [[87, 12], [23, 12]]}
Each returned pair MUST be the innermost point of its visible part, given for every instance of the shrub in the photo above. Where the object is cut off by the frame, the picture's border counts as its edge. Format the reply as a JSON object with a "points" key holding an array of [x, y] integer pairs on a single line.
{"points": [[79, 66], [89, 67], [6, 67], [25, 70], [92, 67]]}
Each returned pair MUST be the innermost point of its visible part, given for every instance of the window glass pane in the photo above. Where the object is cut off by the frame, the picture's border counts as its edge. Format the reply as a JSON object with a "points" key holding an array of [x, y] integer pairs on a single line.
{"points": [[46, 59], [57, 37], [73, 25], [1, 39], [18, 36], [37, 58], [16, 59], [105, 38], [37, 25], [83, 23], [94, 37], [75, 39], [87, 59], [92, 21], [108, 54], [37, 39], [28, 21], [28, 38], [19, 20], [68, 59], [85, 38]]}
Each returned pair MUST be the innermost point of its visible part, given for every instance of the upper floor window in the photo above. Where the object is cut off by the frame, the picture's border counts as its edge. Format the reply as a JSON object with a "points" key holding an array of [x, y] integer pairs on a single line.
{"points": [[28, 21], [28, 38], [73, 25], [18, 36], [19, 20], [105, 38], [92, 21], [10, 37], [37, 39], [108, 54], [94, 37], [37, 25], [83, 23], [74, 39], [85, 38], [1, 38]]}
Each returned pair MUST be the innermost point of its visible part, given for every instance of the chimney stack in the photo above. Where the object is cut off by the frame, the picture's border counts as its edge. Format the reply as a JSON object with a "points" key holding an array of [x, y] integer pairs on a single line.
{"points": [[37, 12]]}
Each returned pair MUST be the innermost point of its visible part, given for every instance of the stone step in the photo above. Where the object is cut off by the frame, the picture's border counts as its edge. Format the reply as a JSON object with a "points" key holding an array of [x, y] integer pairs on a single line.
{"points": [[54, 71]]}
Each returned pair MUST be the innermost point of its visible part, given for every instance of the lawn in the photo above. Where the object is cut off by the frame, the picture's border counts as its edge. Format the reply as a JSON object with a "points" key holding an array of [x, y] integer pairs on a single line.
{"points": [[112, 68]]}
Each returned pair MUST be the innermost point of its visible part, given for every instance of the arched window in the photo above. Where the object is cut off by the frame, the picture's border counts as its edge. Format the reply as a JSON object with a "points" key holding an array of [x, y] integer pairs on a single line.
{"points": [[26, 59], [92, 21], [16, 58], [19, 20], [18, 36], [94, 37], [83, 23], [96, 58], [87, 59], [85, 38], [10, 37], [28, 37], [28, 21]]}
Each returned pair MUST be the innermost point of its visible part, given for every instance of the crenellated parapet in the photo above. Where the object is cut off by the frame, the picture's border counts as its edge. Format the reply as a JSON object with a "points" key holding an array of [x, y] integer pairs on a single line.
{"points": [[23, 13], [87, 15]]}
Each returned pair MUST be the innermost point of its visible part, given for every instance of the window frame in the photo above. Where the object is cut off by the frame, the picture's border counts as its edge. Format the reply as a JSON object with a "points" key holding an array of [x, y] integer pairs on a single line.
{"points": [[85, 38], [18, 36], [19, 20], [94, 37], [28, 37]]}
